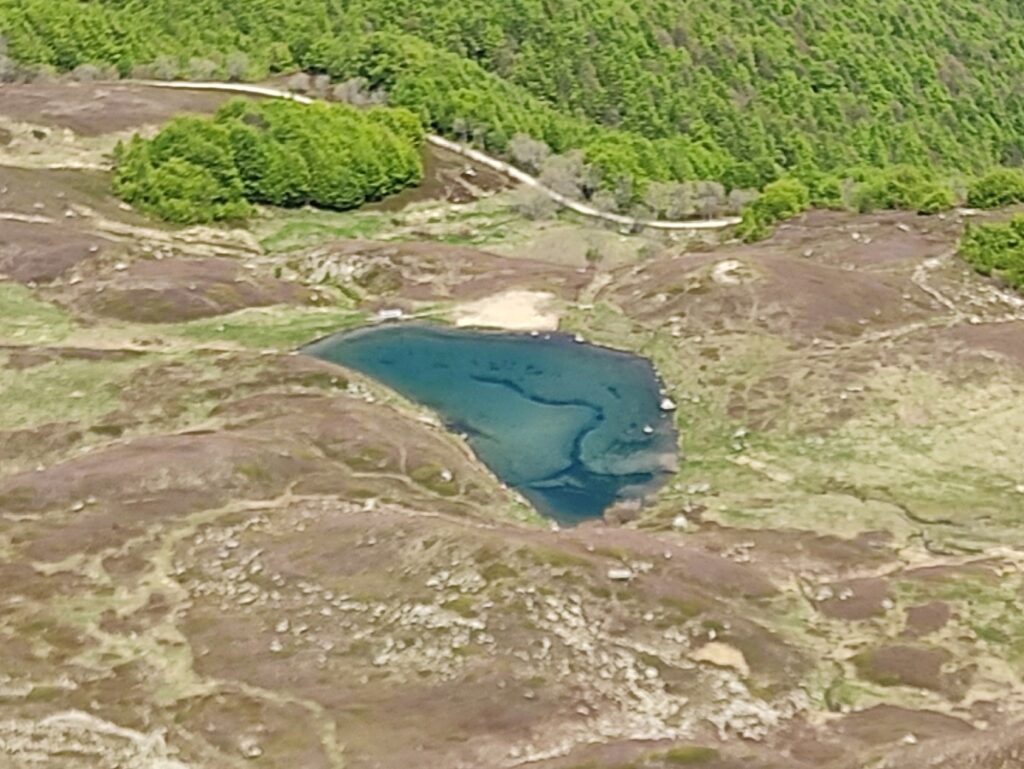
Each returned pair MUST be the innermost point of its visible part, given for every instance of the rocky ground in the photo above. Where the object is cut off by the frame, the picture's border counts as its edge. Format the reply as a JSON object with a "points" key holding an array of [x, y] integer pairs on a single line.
{"points": [[215, 552]]}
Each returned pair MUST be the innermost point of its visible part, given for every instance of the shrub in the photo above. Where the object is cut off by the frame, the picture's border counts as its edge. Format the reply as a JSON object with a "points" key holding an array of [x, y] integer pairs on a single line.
{"points": [[900, 187], [996, 249], [1000, 187], [782, 199]]}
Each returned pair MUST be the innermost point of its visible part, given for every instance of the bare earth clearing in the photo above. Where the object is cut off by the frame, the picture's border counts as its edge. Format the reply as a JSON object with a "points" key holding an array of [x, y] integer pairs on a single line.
{"points": [[217, 553]]}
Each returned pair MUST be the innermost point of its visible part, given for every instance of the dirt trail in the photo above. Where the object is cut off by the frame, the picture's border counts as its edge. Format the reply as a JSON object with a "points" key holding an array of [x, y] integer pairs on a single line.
{"points": [[480, 157]]}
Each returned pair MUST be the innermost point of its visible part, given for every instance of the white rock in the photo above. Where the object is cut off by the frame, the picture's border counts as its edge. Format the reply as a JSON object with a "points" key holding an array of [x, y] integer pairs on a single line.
{"points": [[680, 523], [722, 655], [620, 574], [249, 748], [667, 404], [824, 594]]}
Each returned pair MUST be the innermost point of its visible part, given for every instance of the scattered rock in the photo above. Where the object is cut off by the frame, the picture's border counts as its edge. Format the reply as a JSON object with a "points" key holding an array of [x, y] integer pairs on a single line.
{"points": [[722, 655], [249, 748]]}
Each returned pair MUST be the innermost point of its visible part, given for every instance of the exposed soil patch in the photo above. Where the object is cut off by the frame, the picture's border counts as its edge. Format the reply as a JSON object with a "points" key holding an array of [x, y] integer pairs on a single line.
{"points": [[326, 605], [1004, 339], [448, 177], [92, 109], [172, 290], [905, 665], [857, 599], [883, 240], [23, 358], [38, 252], [927, 618], [997, 748], [756, 286], [110, 494], [888, 724], [425, 271], [53, 193]]}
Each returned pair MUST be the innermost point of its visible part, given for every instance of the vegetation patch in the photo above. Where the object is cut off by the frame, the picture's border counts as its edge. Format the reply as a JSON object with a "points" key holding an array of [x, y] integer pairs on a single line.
{"points": [[435, 478], [282, 328], [305, 231], [62, 391], [24, 320], [996, 250], [277, 152], [713, 99], [688, 755]]}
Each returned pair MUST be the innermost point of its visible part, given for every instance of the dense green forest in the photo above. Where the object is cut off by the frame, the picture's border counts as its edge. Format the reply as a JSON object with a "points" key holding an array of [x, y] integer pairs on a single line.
{"points": [[741, 92], [281, 153], [997, 250]]}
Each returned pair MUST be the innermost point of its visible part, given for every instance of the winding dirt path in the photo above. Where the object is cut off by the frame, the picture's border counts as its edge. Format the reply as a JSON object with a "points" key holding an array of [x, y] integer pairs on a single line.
{"points": [[475, 155]]}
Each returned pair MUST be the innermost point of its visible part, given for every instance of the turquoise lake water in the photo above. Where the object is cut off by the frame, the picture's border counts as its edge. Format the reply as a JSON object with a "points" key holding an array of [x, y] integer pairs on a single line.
{"points": [[573, 427]]}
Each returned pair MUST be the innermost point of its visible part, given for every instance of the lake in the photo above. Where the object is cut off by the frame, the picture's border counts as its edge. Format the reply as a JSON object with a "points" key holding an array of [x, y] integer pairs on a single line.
{"points": [[571, 426]]}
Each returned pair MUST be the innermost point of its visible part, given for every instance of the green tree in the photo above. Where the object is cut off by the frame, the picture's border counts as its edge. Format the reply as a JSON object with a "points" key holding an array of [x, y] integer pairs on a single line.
{"points": [[279, 153]]}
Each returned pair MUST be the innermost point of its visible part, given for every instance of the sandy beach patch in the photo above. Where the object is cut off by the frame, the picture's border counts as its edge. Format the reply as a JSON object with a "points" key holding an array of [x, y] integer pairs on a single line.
{"points": [[512, 310]]}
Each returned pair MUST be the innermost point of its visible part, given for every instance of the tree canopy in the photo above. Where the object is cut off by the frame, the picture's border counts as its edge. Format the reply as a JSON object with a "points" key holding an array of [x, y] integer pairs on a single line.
{"points": [[280, 153], [739, 92]]}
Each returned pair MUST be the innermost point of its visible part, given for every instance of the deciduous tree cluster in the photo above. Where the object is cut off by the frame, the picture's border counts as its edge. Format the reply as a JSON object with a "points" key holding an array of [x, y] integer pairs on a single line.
{"points": [[739, 93], [280, 153]]}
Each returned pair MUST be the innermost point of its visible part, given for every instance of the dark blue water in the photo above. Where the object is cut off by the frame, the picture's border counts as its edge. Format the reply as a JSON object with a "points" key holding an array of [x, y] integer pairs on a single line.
{"points": [[573, 427]]}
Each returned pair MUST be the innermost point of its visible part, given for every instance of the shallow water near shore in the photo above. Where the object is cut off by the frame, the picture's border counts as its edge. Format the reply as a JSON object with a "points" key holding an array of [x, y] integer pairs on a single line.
{"points": [[573, 427]]}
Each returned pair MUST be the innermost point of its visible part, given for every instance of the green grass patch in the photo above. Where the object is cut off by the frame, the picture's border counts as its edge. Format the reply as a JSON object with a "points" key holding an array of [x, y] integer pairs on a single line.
{"points": [[498, 571], [464, 606], [271, 327], [299, 233], [558, 558], [434, 478], [688, 755], [26, 320], [62, 391]]}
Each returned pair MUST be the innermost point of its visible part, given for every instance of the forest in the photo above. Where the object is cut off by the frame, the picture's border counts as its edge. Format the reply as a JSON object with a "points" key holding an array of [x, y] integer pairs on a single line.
{"points": [[198, 170], [880, 103]]}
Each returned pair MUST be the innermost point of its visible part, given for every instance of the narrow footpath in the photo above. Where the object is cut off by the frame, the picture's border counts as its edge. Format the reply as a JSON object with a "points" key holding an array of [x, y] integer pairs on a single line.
{"points": [[476, 156]]}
